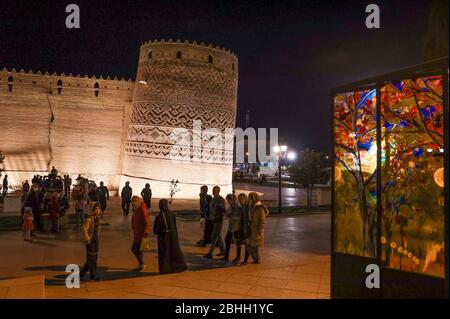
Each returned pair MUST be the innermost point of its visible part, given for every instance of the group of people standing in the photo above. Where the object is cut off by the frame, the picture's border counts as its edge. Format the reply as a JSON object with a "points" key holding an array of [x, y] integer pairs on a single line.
{"points": [[38, 199], [170, 256], [84, 193], [247, 217], [127, 193]]}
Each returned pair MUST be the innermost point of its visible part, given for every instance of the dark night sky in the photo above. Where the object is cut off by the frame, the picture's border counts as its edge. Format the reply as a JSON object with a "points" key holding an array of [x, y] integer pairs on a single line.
{"points": [[290, 53]]}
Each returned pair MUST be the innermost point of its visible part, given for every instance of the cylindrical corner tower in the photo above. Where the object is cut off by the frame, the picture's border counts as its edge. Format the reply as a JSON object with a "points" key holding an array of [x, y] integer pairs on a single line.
{"points": [[177, 85]]}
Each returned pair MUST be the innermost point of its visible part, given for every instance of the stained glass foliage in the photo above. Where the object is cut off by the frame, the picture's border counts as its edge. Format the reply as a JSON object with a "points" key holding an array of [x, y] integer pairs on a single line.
{"points": [[355, 150], [413, 175]]}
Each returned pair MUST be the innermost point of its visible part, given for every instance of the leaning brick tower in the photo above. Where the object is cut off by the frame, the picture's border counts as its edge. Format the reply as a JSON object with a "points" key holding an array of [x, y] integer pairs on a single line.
{"points": [[176, 84]]}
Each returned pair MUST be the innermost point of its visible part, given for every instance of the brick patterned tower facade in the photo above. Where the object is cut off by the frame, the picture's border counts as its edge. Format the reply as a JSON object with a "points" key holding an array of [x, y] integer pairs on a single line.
{"points": [[176, 84]]}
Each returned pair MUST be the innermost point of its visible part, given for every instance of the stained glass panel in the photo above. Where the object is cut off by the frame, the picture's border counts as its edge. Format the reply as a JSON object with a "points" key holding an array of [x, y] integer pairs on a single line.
{"points": [[355, 173], [413, 175]]}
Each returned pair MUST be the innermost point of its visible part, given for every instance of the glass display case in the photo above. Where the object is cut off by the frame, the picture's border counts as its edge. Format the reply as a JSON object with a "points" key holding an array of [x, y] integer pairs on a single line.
{"points": [[390, 177]]}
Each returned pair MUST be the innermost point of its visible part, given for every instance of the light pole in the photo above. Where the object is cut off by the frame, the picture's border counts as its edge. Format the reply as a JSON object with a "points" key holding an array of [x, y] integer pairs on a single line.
{"points": [[280, 150]]}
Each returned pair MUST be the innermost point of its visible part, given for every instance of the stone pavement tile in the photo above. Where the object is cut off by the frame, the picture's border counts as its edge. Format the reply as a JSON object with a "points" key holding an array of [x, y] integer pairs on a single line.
{"points": [[306, 277], [107, 285], [326, 278], [278, 274], [248, 272], [242, 279], [303, 286], [55, 292], [229, 287], [163, 279], [153, 290], [317, 270], [265, 292], [296, 294], [222, 277], [289, 269], [324, 289], [22, 281], [271, 282], [109, 294], [3, 292], [33, 291], [220, 295], [197, 283], [187, 293]]}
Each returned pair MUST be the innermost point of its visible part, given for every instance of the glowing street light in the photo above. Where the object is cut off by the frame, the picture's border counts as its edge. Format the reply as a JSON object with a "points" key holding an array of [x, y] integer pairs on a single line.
{"points": [[291, 156], [281, 151]]}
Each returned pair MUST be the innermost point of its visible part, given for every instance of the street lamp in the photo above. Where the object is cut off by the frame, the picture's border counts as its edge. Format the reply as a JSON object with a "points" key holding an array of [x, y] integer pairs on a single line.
{"points": [[280, 150]]}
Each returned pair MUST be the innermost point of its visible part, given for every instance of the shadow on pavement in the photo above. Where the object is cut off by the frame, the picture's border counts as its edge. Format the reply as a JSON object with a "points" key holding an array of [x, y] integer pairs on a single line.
{"points": [[105, 273], [198, 262]]}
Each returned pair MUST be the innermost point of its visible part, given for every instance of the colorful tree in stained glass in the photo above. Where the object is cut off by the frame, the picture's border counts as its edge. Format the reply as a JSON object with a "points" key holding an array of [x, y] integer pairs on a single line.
{"points": [[412, 175], [355, 172]]}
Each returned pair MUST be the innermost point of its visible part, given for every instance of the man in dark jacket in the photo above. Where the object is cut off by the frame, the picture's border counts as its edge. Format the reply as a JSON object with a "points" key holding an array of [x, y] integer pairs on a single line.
{"points": [[140, 223], [126, 194], [147, 196], [102, 195], [205, 222], [33, 201], [5, 185], [216, 211]]}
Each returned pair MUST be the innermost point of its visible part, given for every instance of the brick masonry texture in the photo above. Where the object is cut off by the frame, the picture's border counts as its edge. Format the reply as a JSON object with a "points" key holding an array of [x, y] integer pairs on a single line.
{"points": [[117, 130]]}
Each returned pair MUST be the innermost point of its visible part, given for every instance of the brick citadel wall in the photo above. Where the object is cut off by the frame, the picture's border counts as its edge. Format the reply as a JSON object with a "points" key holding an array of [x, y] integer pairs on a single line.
{"points": [[116, 130], [58, 120]]}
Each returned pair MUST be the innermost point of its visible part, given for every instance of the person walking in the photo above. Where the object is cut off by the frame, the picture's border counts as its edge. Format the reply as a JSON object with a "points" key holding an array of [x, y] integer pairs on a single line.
{"points": [[140, 223], [146, 194], [234, 213], [126, 194], [91, 231], [205, 222], [217, 211], [170, 256], [103, 196], [5, 185], [245, 228], [258, 213]]}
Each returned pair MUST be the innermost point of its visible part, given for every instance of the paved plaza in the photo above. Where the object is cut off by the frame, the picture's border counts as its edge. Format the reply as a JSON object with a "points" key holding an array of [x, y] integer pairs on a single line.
{"points": [[295, 263]]}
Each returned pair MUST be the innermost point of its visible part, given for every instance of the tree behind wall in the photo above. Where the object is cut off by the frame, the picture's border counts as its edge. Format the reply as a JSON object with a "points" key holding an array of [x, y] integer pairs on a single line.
{"points": [[310, 170]]}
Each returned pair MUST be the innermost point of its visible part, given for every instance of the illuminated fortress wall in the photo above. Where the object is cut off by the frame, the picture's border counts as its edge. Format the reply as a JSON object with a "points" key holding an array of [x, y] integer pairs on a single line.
{"points": [[129, 131], [73, 130], [178, 83]]}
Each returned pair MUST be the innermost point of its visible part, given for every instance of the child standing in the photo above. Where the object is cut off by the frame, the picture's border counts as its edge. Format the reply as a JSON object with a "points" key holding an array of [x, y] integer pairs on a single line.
{"points": [[27, 223]]}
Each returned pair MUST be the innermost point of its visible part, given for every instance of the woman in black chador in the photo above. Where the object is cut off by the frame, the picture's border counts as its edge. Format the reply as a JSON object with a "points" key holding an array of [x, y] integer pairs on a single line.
{"points": [[170, 256]]}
